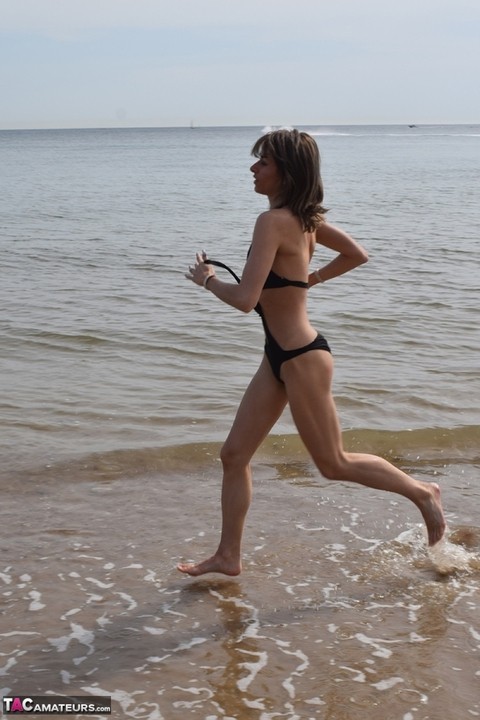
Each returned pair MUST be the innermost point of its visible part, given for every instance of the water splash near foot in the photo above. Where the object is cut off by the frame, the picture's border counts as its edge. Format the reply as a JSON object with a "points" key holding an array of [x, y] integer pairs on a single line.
{"points": [[457, 551]]}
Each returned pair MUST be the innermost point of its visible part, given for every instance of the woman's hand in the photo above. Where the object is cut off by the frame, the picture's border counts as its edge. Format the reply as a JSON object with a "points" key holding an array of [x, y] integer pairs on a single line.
{"points": [[200, 272]]}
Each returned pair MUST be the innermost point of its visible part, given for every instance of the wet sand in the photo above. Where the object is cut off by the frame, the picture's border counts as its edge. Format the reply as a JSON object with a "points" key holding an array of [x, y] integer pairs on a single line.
{"points": [[341, 612]]}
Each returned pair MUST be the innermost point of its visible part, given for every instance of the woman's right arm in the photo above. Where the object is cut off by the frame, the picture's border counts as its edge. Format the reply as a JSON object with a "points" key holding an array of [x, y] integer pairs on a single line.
{"points": [[349, 253]]}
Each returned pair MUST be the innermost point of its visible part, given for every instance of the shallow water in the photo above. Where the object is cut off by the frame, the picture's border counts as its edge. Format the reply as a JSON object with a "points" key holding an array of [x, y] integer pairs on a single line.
{"points": [[341, 609]]}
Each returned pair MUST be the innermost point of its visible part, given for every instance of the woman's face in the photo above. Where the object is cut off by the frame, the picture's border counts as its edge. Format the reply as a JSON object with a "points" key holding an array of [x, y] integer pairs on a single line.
{"points": [[267, 179]]}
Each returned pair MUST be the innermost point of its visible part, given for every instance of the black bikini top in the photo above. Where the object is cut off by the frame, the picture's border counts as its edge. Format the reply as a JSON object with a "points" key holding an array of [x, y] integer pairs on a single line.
{"points": [[273, 280], [277, 281]]}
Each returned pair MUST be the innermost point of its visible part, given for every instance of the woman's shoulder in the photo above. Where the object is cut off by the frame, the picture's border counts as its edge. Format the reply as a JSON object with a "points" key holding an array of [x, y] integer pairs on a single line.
{"points": [[280, 213], [278, 217]]}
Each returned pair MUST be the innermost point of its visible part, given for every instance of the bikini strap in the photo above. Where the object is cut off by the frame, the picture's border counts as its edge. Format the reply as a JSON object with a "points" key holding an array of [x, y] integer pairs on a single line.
{"points": [[217, 263], [222, 265]]}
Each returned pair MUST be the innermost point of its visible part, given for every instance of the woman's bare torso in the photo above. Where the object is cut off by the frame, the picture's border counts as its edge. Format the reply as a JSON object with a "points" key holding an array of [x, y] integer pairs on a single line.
{"points": [[285, 308]]}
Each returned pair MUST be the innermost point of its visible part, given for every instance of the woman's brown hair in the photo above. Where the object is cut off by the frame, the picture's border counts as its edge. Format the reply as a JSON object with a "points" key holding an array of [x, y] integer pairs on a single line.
{"points": [[298, 159]]}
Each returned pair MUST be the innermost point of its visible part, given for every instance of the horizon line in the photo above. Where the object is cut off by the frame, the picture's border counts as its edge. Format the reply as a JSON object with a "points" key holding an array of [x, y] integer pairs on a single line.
{"points": [[191, 126]]}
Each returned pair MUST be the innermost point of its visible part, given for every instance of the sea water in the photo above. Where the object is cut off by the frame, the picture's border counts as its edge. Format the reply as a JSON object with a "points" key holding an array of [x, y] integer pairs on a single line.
{"points": [[119, 380]]}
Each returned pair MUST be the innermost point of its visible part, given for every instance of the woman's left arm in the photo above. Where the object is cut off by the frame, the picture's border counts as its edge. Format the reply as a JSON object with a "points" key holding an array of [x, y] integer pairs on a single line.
{"points": [[246, 294], [349, 253], [232, 294]]}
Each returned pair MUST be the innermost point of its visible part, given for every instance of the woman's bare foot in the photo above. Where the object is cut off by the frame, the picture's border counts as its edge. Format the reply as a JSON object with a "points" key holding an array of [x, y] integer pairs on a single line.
{"points": [[432, 511], [216, 563]]}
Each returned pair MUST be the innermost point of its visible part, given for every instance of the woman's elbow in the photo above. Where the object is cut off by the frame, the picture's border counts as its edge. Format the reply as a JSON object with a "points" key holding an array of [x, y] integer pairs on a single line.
{"points": [[246, 307], [362, 256], [246, 304]]}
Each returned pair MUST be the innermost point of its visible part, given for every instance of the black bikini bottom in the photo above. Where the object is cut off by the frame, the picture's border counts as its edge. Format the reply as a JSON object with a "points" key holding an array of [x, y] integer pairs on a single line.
{"points": [[277, 356]]}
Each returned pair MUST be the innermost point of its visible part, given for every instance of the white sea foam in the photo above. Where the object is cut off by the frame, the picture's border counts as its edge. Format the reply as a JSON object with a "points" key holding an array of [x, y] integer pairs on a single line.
{"points": [[35, 605], [205, 693], [254, 704], [359, 675], [99, 583], [79, 633], [315, 701], [376, 643], [10, 663], [103, 620], [66, 677], [387, 684], [73, 611], [474, 634], [147, 711], [449, 558], [298, 672], [132, 604], [189, 644], [253, 667], [157, 658], [93, 598], [154, 631]]}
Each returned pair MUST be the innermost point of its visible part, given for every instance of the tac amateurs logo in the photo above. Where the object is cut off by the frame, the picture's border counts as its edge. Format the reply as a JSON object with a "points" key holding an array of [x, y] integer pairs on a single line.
{"points": [[15, 704]]}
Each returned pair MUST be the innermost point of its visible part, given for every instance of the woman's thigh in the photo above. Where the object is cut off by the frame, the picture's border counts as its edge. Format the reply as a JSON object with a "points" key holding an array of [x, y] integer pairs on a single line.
{"points": [[308, 380], [261, 406]]}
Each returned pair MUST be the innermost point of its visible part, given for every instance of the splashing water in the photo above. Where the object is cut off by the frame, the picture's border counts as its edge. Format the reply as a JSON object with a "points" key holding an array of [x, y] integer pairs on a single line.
{"points": [[456, 551]]}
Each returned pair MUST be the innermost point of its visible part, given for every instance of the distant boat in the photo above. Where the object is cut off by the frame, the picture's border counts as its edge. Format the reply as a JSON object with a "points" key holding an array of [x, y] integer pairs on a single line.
{"points": [[412, 126]]}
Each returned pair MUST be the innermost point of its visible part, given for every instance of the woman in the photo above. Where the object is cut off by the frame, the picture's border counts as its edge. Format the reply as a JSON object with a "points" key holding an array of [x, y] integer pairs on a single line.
{"points": [[297, 366]]}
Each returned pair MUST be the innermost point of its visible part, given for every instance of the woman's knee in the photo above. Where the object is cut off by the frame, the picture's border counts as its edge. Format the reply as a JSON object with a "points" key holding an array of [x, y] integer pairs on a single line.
{"points": [[232, 455], [334, 468]]}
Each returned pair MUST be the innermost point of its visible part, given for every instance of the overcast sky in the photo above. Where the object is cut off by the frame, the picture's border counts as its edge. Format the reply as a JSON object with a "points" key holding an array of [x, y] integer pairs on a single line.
{"points": [[108, 63]]}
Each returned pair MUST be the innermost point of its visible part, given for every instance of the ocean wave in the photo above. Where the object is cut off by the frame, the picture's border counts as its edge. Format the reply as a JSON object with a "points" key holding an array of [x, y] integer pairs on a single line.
{"points": [[422, 449]]}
